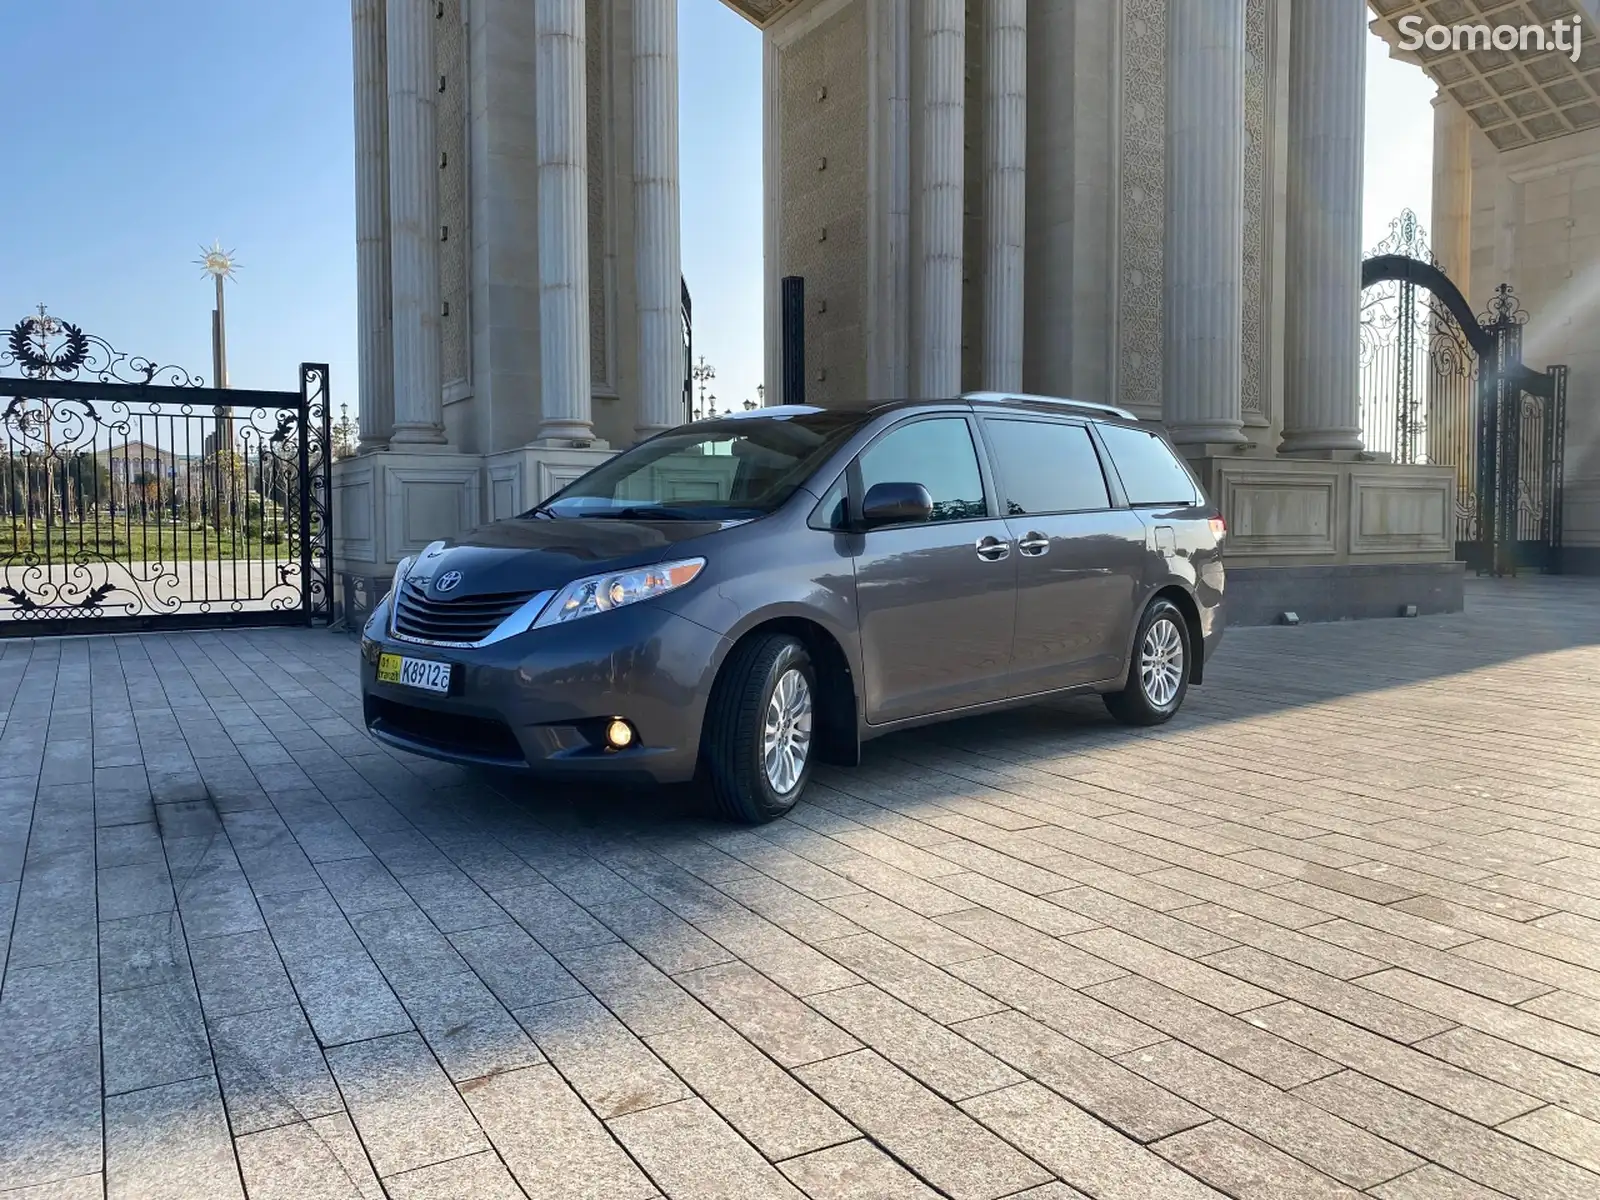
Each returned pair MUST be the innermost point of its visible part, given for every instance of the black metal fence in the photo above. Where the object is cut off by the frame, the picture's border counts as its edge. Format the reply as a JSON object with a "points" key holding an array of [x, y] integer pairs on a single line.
{"points": [[132, 496]]}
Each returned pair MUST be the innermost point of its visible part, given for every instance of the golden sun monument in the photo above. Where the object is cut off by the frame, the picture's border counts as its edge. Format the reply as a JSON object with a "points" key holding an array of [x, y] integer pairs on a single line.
{"points": [[220, 265]]}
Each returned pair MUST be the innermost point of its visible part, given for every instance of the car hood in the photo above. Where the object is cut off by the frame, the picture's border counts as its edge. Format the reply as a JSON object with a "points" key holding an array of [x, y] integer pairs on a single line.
{"points": [[531, 555]]}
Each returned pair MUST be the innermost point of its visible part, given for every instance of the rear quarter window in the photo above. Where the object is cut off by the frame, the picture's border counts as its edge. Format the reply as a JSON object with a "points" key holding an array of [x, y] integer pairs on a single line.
{"points": [[1151, 473]]}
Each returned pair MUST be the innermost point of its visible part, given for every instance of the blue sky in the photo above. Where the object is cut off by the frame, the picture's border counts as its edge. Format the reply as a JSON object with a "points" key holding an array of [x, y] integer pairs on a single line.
{"points": [[142, 130]]}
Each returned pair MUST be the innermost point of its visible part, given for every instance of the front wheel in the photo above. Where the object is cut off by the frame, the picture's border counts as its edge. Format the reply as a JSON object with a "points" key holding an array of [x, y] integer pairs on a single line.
{"points": [[1158, 675], [756, 750]]}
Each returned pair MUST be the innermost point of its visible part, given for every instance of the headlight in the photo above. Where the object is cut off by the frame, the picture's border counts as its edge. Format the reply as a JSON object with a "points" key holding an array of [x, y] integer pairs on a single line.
{"points": [[602, 593], [401, 572]]}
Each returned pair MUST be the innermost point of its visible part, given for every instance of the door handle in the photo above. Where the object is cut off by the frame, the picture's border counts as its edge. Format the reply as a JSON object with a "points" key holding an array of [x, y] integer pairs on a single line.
{"points": [[992, 549], [1033, 545]]}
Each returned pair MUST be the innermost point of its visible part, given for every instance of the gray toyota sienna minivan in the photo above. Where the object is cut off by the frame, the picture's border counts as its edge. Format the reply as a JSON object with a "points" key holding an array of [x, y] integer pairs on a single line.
{"points": [[733, 600]]}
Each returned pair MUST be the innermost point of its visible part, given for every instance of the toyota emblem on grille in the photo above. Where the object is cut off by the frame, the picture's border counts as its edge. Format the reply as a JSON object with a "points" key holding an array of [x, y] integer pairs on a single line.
{"points": [[448, 582]]}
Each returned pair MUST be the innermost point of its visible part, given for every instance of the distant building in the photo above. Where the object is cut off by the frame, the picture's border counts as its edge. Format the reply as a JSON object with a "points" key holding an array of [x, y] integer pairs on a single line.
{"points": [[131, 460]]}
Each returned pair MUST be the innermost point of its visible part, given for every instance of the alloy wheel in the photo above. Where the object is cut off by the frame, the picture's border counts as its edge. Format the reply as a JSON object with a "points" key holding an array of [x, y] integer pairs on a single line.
{"points": [[1161, 662], [786, 735]]}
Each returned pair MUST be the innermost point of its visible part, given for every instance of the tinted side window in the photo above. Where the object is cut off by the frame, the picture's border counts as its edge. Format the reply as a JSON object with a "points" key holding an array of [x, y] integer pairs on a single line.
{"points": [[939, 455], [1150, 472], [1046, 467]]}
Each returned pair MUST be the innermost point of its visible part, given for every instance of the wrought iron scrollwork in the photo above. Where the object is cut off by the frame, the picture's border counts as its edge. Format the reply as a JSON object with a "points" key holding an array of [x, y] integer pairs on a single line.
{"points": [[1416, 361], [131, 494], [1406, 236], [40, 362], [317, 464], [1441, 384], [1503, 309], [45, 347]]}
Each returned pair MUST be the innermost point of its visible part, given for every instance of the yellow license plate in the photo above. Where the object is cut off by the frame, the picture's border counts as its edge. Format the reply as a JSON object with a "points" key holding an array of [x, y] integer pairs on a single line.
{"points": [[421, 673]]}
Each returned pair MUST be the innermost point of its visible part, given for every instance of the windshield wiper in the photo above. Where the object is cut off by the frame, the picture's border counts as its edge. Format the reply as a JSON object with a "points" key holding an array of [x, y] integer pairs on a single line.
{"points": [[649, 512]]}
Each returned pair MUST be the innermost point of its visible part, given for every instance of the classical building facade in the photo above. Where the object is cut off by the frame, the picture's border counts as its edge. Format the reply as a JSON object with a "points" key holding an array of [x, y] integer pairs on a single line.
{"points": [[517, 255], [1143, 202]]}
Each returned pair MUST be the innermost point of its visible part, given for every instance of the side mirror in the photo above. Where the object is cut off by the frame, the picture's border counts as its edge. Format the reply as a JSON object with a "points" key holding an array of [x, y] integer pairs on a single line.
{"points": [[895, 504]]}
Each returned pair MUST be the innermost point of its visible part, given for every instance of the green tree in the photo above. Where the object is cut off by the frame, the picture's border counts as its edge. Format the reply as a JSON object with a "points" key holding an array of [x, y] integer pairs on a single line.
{"points": [[225, 486]]}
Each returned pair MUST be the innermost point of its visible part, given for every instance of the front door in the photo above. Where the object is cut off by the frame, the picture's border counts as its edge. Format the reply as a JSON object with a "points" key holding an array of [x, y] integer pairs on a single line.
{"points": [[1080, 561], [936, 600]]}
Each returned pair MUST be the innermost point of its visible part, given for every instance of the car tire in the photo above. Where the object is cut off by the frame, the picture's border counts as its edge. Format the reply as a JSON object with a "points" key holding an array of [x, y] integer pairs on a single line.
{"points": [[1158, 670], [759, 741]]}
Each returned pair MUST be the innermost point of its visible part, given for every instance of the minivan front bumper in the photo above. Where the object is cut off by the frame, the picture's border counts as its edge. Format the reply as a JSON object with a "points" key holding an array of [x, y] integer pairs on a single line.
{"points": [[541, 701]]}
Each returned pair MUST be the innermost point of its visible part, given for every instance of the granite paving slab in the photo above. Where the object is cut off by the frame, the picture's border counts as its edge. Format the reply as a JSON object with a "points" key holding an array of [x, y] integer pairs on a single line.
{"points": [[1330, 932]]}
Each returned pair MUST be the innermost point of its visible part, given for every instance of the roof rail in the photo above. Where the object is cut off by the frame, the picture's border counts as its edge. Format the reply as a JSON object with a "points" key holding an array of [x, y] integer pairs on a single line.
{"points": [[1002, 397]]}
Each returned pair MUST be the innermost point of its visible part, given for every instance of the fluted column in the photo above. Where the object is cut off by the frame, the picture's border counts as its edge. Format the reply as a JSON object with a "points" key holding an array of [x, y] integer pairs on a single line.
{"points": [[1452, 191], [1327, 81], [657, 261], [1202, 386], [941, 202], [375, 350], [563, 110], [1005, 123], [414, 223]]}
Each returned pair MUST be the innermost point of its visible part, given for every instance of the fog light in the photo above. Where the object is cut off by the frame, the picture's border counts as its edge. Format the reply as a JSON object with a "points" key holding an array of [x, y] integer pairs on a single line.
{"points": [[619, 734]]}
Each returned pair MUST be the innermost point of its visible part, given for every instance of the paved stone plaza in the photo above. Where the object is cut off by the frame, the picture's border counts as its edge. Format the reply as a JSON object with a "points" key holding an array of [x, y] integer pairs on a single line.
{"points": [[1334, 930]]}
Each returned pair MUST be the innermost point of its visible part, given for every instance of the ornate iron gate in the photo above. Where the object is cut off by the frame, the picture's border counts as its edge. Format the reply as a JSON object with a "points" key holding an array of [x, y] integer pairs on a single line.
{"points": [[1444, 386], [1522, 418], [134, 497]]}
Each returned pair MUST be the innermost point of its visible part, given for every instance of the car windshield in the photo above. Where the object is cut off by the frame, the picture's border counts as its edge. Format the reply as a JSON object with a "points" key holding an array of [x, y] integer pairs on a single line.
{"points": [[735, 468]]}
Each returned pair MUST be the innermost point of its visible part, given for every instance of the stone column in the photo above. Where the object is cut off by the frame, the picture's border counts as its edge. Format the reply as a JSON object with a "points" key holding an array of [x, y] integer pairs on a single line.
{"points": [[414, 223], [375, 350], [1204, 353], [936, 337], [563, 111], [1005, 123], [1450, 421], [1452, 191], [657, 263], [1327, 81]]}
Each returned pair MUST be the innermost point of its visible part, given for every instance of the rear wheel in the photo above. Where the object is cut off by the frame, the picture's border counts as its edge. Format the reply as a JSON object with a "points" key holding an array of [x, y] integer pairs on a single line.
{"points": [[1158, 675], [757, 747]]}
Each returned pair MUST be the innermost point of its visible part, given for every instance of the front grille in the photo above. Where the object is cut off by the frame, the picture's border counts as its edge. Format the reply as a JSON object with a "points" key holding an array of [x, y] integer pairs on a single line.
{"points": [[456, 733], [467, 619]]}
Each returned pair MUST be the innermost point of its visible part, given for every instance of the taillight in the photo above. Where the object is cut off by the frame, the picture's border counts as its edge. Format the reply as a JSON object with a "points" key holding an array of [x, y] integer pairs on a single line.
{"points": [[1219, 528]]}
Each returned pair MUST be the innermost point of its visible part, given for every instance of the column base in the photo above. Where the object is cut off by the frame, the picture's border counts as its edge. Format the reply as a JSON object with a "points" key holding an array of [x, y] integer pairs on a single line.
{"points": [[1207, 433], [419, 436], [1200, 450], [1327, 444], [568, 434], [1329, 455], [573, 443]]}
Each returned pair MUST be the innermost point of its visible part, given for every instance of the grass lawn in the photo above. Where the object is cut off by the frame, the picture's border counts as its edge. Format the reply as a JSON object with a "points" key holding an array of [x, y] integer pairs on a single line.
{"points": [[136, 541]]}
